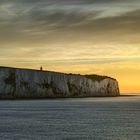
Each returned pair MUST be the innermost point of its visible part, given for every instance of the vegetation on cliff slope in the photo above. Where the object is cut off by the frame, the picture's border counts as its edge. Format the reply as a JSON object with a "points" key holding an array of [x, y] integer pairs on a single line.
{"points": [[98, 78]]}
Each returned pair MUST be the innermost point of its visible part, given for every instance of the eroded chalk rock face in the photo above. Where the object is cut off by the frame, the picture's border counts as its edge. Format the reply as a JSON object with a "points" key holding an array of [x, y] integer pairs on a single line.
{"points": [[25, 83]]}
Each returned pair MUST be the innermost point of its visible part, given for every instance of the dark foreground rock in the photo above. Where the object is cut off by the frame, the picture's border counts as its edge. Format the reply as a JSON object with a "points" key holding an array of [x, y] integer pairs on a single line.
{"points": [[26, 83]]}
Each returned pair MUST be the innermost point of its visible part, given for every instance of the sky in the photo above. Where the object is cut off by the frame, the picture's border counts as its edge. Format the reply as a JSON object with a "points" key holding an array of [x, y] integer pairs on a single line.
{"points": [[73, 36]]}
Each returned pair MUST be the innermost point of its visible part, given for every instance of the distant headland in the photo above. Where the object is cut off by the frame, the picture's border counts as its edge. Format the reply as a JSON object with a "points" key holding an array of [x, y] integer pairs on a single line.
{"points": [[29, 83]]}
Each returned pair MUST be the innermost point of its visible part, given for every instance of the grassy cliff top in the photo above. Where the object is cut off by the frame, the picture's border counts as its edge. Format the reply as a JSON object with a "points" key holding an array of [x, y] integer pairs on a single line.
{"points": [[99, 78]]}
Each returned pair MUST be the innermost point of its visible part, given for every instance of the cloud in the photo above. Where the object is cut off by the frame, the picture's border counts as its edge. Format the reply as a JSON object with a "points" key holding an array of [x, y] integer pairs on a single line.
{"points": [[69, 27], [29, 18], [74, 26]]}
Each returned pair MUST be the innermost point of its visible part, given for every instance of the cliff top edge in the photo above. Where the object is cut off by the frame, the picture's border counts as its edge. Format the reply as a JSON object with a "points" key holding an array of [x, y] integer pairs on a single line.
{"points": [[89, 76]]}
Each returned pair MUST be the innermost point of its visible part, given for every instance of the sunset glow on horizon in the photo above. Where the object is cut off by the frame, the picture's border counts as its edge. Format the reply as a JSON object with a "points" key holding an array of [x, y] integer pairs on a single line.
{"points": [[73, 36]]}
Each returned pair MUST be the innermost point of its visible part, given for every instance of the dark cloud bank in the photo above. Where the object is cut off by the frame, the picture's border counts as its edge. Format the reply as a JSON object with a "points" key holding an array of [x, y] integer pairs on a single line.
{"points": [[22, 19]]}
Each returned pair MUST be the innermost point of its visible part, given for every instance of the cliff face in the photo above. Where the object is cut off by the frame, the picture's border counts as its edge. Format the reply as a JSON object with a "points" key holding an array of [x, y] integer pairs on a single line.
{"points": [[24, 83]]}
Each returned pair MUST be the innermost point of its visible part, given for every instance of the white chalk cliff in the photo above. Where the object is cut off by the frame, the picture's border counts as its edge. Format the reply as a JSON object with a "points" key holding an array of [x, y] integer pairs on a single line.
{"points": [[26, 83]]}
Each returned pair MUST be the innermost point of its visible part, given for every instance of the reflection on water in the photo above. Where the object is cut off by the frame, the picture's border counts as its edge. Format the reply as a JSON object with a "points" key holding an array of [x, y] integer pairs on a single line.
{"points": [[115, 118]]}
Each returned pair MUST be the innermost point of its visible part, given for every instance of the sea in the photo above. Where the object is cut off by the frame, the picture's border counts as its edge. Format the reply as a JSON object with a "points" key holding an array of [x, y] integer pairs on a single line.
{"points": [[108, 118]]}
